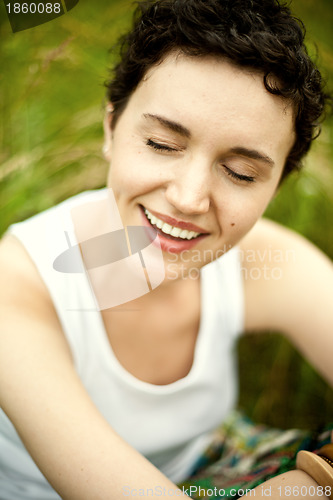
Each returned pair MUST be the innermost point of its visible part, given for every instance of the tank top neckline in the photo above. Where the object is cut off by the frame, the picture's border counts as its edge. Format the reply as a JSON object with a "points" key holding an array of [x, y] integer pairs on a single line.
{"points": [[198, 355]]}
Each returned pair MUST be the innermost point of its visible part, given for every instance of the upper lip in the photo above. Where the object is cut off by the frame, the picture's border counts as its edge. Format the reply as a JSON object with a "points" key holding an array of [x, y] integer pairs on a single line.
{"points": [[178, 223]]}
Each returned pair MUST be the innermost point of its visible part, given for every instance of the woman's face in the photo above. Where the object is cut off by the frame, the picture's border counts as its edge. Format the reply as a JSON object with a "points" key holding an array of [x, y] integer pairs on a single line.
{"points": [[200, 148]]}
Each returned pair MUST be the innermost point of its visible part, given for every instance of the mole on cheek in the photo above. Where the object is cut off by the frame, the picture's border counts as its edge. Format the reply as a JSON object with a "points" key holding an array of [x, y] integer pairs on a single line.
{"points": [[232, 224]]}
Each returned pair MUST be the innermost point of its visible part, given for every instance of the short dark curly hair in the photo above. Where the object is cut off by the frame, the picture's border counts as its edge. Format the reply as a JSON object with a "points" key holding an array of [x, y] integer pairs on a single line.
{"points": [[258, 34]]}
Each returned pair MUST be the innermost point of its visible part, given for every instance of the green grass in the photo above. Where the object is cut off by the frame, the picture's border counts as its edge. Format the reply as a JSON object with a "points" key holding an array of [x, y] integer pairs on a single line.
{"points": [[51, 105], [276, 385]]}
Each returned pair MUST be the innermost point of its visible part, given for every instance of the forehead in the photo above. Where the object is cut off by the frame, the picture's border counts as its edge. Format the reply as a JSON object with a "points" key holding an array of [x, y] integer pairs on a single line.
{"points": [[216, 100]]}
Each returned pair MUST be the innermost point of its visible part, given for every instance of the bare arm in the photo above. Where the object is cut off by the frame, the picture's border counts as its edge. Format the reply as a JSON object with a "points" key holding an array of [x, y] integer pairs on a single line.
{"points": [[294, 295], [295, 299], [72, 444]]}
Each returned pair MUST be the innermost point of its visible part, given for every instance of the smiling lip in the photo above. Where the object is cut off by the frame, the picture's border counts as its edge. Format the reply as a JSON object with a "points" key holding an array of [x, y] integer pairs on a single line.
{"points": [[166, 242], [178, 223]]}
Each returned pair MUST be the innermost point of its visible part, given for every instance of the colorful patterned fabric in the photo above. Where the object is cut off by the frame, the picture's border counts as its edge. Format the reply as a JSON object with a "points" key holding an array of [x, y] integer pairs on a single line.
{"points": [[244, 455]]}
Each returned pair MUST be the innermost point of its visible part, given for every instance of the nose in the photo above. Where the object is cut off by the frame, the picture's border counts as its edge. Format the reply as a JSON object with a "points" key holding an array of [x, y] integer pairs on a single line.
{"points": [[189, 191]]}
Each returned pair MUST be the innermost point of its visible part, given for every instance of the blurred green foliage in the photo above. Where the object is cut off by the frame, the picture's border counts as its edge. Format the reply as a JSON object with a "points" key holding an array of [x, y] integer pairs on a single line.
{"points": [[51, 105], [276, 385]]}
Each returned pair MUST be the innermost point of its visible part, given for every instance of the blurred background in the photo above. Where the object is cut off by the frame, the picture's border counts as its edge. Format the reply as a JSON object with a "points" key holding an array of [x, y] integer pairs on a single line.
{"points": [[51, 105]]}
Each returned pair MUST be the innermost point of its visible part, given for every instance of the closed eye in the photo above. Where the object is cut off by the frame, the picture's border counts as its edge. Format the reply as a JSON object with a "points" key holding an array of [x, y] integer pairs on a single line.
{"points": [[168, 149], [159, 147], [239, 177]]}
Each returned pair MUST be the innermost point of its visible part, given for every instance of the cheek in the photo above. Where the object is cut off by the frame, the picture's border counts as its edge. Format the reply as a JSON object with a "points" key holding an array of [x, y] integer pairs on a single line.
{"points": [[124, 168], [130, 177], [242, 208], [240, 203]]}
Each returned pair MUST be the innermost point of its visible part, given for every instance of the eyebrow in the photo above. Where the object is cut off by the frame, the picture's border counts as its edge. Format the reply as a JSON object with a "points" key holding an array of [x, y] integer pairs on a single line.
{"points": [[169, 124], [253, 154]]}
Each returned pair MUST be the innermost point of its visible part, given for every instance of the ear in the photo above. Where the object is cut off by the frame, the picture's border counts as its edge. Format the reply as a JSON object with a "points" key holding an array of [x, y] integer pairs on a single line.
{"points": [[107, 124]]}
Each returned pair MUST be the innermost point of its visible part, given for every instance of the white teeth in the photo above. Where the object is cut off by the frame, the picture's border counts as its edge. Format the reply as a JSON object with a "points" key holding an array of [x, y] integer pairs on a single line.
{"points": [[176, 232], [166, 228]]}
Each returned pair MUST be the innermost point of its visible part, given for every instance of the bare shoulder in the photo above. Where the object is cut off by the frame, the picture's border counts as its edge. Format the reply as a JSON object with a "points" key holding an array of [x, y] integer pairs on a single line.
{"points": [[288, 285], [283, 275], [29, 324], [267, 234], [22, 288]]}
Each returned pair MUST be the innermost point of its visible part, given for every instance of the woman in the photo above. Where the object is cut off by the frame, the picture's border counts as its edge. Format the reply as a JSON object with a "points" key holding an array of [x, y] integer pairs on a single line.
{"points": [[212, 104]]}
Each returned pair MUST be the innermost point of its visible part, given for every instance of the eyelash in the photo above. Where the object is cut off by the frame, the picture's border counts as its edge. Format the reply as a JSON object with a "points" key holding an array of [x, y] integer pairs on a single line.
{"points": [[162, 147], [159, 147], [239, 177]]}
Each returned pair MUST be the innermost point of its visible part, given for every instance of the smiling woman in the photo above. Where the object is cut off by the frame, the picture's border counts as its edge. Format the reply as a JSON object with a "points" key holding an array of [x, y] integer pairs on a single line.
{"points": [[213, 102], [218, 174]]}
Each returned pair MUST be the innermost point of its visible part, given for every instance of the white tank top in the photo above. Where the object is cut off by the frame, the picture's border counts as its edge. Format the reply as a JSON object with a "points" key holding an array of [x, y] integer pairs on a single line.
{"points": [[171, 424]]}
